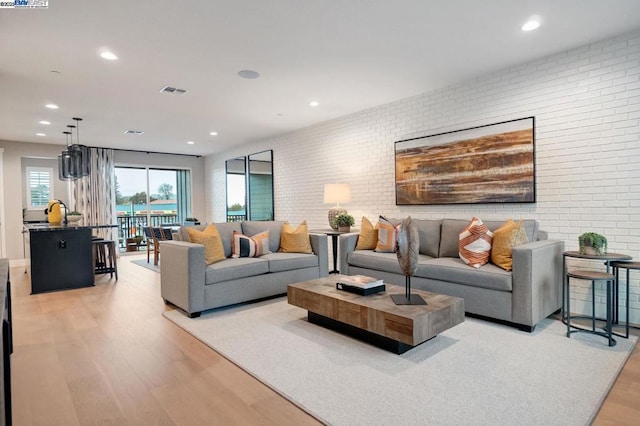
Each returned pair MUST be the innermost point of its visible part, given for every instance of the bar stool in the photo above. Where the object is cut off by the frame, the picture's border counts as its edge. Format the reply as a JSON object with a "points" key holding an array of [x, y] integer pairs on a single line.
{"points": [[104, 257], [616, 266], [594, 277]]}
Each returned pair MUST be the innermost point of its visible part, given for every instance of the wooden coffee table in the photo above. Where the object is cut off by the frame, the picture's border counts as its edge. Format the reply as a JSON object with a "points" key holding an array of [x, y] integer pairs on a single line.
{"points": [[376, 319]]}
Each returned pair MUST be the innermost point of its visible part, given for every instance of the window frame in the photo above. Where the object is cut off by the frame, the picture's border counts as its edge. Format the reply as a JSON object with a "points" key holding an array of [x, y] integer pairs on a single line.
{"points": [[34, 169]]}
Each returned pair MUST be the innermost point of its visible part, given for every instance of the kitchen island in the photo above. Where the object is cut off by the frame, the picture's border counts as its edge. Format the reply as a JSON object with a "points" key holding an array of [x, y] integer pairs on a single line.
{"points": [[61, 256]]}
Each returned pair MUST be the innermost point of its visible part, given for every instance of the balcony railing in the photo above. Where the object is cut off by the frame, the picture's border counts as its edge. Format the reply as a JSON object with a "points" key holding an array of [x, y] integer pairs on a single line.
{"points": [[131, 226]]}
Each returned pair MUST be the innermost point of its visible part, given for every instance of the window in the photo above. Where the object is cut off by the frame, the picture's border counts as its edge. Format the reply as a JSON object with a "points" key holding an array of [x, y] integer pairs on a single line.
{"points": [[39, 186]]}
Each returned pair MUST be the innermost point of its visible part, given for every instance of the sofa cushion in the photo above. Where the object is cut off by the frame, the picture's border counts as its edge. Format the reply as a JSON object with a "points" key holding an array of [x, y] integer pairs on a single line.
{"points": [[279, 262], [233, 269], [226, 230], [252, 227], [254, 246], [456, 271], [475, 243], [295, 240], [387, 235], [210, 239], [450, 237], [505, 238], [429, 233], [374, 260], [368, 237], [183, 234]]}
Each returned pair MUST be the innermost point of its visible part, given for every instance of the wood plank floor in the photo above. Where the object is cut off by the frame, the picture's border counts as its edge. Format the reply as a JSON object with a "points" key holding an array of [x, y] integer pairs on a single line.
{"points": [[106, 355]]}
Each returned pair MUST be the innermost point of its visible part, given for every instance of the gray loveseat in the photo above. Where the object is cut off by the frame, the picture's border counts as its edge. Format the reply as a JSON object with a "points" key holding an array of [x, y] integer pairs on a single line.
{"points": [[521, 297], [188, 283]]}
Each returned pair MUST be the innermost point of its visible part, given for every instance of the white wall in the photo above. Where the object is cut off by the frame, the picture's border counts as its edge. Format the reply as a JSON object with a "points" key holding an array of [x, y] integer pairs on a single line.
{"points": [[586, 102]]}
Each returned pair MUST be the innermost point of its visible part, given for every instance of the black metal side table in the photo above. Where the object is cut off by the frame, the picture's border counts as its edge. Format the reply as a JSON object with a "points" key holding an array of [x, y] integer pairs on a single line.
{"points": [[612, 300], [334, 243]]}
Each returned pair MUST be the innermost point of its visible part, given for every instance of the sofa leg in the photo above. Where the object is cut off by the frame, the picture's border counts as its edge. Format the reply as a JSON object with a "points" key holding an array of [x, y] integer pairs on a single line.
{"points": [[194, 314], [527, 328]]}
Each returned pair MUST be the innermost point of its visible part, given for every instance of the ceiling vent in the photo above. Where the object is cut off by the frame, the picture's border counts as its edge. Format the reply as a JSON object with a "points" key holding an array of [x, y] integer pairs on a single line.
{"points": [[172, 90], [133, 132]]}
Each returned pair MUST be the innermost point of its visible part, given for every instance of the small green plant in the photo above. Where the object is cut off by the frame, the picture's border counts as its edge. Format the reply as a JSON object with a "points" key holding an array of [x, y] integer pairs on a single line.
{"points": [[592, 239], [74, 213], [344, 219]]}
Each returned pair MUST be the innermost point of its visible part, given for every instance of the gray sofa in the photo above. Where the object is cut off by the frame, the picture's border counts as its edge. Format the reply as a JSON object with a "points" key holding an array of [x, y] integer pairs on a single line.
{"points": [[522, 297], [188, 283]]}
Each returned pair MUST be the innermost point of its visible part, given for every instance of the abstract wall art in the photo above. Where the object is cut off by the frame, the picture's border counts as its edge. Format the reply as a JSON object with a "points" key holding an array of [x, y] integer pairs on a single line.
{"points": [[494, 163]]}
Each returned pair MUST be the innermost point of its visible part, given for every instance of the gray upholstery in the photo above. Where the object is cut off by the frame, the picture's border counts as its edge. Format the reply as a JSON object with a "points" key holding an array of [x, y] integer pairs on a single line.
{"points": [[429, 232], [191, 285], [523, 296], [251, 228]]}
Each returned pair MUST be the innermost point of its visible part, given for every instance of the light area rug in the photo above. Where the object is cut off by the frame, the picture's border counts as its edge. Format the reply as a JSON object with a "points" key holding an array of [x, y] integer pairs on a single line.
{"points": [[477, 373], [149, 265]]}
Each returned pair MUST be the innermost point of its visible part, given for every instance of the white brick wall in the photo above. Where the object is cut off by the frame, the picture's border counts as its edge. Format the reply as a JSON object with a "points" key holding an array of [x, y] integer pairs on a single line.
{"points": [[586, 102]]}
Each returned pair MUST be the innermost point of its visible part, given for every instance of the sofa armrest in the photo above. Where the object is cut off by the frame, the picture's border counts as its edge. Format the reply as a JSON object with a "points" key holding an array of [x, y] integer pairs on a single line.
{"points": [[346, 244], [182, 275], [321, 249], [536, 281]]}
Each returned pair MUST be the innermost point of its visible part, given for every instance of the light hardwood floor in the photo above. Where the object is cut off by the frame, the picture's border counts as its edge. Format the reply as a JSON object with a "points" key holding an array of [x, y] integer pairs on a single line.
{"points": [[106, 355]]}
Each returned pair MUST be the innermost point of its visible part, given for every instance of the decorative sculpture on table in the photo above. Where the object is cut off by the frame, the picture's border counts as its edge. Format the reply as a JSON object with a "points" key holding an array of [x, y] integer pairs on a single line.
{"points": [[407, 250]]}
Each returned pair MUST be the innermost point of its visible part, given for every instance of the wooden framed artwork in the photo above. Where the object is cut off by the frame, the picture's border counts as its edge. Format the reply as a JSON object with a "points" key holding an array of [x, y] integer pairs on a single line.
{"points": [[494, 163]]}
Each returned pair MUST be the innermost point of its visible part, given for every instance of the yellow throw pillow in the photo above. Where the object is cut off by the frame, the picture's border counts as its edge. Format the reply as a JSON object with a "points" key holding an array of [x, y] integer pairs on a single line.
{"points": [[474, 244], [505, 238], [368, 237], [212, 242], [295, 240]]}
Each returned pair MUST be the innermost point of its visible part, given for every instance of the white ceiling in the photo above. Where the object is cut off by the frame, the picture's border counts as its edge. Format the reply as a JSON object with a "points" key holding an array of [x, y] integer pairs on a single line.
{"points": [[348, 55]]}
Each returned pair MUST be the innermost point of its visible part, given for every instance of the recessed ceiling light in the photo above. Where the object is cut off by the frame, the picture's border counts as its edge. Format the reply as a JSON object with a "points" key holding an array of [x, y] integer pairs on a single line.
{"points": [[45, 122], [249, 74], [213, 133], [110, 56], [52, 106], [314, 103], [40, 134], [531, 25], [190, 142]]}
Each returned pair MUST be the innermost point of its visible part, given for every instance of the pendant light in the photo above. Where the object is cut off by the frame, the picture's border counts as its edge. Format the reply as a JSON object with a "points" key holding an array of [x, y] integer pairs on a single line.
{"points": [[73, 162], [81, 158], [65, 161]]}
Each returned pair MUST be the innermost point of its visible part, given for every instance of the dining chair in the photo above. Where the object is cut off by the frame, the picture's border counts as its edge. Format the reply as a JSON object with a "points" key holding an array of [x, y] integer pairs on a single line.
{"points": [[153, 244]]}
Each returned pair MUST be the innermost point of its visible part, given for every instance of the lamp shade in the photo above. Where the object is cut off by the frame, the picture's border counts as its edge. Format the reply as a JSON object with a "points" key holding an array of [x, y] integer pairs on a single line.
{"points": [[337, 193]]}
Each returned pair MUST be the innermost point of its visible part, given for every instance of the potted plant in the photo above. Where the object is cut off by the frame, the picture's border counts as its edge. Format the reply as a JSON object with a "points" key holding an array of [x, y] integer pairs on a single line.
{"points": [[74, 216], [344, 222], [191, 221], [592, 243]]}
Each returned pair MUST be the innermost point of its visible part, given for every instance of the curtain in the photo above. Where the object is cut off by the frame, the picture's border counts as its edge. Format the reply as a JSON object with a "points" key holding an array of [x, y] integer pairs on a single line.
{"points": [[95, 195]]}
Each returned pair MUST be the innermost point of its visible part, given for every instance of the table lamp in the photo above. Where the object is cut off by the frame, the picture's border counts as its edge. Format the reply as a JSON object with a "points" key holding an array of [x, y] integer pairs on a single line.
{"points": [[336, 193]]}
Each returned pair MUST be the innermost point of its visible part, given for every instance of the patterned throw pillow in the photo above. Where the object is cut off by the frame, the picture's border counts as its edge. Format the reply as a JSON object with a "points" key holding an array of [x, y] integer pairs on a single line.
{"points": [[255, 246], [474, 243], [368, 238], [210, 239], [295, 240], [387, 236], [505, 238]]}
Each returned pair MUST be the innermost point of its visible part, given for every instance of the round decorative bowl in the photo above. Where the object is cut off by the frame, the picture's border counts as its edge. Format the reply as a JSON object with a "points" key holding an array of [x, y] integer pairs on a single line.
{"points": [[74, 218]]}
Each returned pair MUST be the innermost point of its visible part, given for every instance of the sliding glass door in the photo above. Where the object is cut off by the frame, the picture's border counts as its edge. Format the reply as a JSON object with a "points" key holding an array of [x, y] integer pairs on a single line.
{"points": [[150, 197]]}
